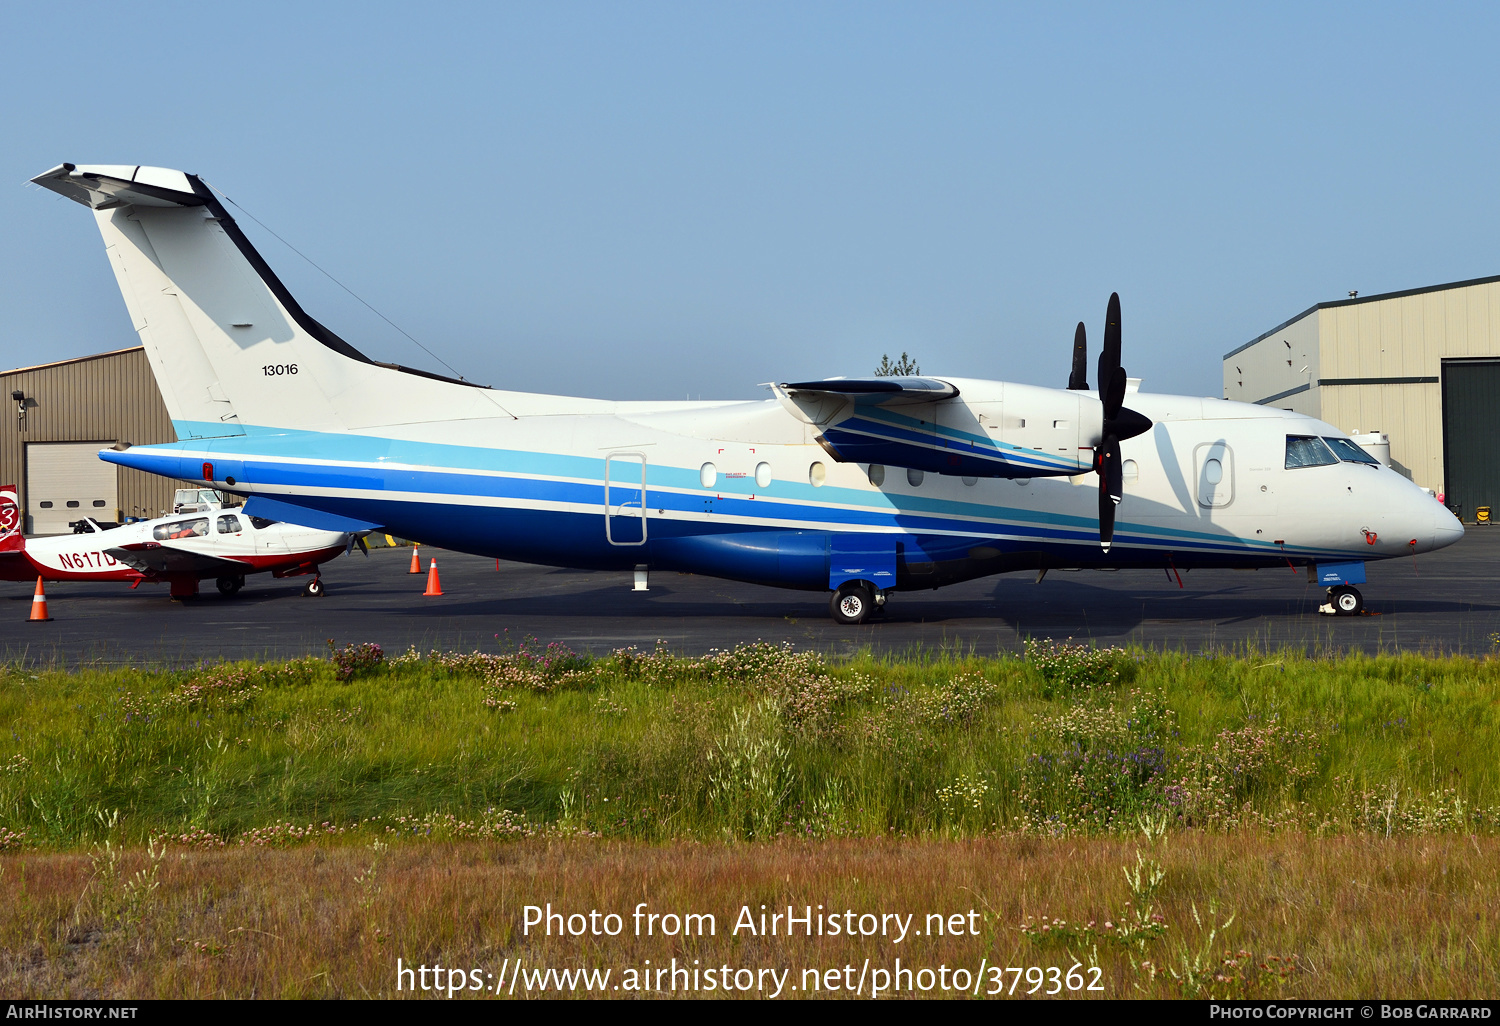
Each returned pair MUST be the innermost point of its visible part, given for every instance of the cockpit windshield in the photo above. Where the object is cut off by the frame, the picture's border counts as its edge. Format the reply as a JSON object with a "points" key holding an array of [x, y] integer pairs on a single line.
{"points": [[1347, 451], [1307, 451]]}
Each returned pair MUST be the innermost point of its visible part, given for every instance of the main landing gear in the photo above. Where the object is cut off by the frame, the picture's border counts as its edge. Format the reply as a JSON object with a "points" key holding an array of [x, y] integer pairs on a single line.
{"points": [[230, 586], [1345, 600], [854, 601]]}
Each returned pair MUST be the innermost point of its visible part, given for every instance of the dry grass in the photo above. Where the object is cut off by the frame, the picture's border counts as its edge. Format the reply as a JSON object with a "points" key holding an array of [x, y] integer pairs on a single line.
{"points": [[1354, 915]]}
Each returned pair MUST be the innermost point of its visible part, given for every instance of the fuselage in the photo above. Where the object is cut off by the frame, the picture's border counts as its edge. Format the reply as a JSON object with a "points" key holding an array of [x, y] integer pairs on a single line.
{"points": [[226, 539], [745, 490]]}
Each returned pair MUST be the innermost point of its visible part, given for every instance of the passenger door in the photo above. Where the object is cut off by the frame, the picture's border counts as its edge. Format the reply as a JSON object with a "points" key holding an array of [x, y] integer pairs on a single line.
{"points": [[625, 498]]}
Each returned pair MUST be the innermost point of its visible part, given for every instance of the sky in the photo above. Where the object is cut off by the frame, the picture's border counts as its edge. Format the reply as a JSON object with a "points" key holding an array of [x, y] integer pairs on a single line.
{"points": [[672, 200]]}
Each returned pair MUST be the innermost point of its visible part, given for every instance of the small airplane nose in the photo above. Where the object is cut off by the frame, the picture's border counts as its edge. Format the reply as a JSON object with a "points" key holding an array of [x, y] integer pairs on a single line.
{"points": [[1446, 528]]}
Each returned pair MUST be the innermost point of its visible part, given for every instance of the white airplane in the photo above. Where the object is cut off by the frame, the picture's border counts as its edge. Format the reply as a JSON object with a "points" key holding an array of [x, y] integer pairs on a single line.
{"points": [[858, 487], [221, 544]]}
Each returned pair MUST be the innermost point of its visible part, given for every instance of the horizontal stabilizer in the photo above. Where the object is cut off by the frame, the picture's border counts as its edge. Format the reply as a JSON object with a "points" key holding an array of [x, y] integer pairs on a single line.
{"points": [[102, 186]]}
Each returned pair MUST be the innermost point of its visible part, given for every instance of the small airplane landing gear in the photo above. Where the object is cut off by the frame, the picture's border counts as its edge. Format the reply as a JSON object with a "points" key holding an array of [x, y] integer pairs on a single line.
{"points": [[314, 588], [230, 586], [852, 603], [1345, 600]]}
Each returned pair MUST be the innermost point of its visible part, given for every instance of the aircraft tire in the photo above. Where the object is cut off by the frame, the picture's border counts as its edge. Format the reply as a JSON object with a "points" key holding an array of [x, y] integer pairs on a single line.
{"points": [[229, 586], [314, 588], [854, 601], [1346, 600]]}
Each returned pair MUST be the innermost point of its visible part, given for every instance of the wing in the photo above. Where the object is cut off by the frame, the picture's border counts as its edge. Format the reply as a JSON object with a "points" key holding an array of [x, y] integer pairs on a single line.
{"points": [[164, 560], [920, 423]]}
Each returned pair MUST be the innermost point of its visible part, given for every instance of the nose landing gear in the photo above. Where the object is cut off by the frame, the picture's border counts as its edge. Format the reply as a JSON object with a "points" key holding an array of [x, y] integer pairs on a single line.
{"points": [[1345, 600]]}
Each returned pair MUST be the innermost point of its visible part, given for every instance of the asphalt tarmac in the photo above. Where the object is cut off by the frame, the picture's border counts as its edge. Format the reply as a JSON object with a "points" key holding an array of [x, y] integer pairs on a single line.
{"points": [[1442, 602]]}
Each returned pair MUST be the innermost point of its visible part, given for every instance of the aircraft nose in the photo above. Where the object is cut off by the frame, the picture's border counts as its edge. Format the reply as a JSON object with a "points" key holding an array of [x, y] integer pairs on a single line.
{"points": [[1446, 528]]}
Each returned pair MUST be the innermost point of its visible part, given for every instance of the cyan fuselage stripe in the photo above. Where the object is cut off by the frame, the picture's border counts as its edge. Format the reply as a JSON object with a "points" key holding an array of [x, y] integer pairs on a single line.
{"points": [[430, 482]]}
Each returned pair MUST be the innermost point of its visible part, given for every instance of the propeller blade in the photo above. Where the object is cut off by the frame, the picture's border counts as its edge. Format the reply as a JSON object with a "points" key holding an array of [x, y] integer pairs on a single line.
{"points": [[1078, 380], [1106, 519], [1113, 470], [1111, 487], [1112, 395], [363, 547], [1109, 357]]}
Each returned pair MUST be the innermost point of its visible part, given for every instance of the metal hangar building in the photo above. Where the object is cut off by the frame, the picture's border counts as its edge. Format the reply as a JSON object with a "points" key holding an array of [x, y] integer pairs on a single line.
{"points": [[62, 414], [1422, 366]]}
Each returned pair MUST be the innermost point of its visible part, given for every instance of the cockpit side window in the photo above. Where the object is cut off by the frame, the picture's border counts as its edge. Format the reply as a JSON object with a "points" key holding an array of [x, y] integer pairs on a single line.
{"points": [[261, 523], [1307, 451], [1349, 452], [195, 528], [230, 524]]}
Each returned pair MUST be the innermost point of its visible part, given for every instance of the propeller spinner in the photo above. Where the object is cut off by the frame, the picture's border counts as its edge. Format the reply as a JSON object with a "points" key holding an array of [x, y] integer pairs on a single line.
{"points": [[1119, 423]]}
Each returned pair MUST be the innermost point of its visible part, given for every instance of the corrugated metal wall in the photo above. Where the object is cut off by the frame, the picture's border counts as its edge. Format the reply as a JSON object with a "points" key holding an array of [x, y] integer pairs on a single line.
{"points": [[107, 398], [1405, 337], [1377, 366], [1281, 368]]}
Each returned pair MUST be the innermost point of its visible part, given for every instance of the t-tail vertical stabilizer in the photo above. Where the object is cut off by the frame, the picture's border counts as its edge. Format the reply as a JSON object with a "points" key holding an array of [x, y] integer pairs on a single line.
{"points": [[230, 347]]}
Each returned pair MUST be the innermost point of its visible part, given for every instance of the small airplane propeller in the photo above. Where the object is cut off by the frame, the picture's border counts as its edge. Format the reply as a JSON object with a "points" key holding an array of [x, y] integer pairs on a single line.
{"points": [[358, 539], [1119, 423]]}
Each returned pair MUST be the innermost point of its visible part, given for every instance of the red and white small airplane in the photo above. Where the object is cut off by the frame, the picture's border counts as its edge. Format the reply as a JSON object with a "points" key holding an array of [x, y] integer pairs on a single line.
{"points": [[222, 544]]}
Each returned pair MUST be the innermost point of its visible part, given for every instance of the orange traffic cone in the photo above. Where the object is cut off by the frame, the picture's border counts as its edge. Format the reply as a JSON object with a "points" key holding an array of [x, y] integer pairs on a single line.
{"points": [[39, 604], [416, 564], [433, 587]]}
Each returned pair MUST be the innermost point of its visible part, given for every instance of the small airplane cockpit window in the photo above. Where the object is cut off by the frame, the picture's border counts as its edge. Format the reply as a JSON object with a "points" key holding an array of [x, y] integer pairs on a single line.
{"points": [[230, 525], [1303, 451], [261, 523], [197, 528], [1349, 452]]}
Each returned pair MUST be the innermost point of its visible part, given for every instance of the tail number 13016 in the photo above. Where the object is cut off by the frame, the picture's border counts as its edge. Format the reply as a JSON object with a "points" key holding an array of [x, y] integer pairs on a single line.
{"points": [[276, 370]]}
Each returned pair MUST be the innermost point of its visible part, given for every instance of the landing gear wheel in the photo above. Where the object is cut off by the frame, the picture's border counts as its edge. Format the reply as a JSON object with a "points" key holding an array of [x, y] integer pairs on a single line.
{"points": [[228, 586], [314, 588], [1346, 601], [854, 601]]}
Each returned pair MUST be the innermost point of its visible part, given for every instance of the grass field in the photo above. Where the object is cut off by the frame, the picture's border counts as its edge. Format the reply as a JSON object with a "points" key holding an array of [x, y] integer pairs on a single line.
{"points": [[161, 826]]}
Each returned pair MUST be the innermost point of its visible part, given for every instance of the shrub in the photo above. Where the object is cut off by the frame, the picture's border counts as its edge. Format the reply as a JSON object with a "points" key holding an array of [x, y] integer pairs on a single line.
{"points": [[356, 660], [1066, 667]]}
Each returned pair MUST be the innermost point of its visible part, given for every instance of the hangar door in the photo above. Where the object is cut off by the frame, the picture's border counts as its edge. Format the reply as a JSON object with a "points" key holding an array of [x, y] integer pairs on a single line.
{"points": [[67, 481], [1471, 441]]}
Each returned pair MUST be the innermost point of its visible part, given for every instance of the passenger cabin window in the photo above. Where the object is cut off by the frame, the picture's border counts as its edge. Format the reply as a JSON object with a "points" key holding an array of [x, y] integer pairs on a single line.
{"points": [[196, 528], [1303, 451], [230, 525], [261, 523], [1347, 451]]}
